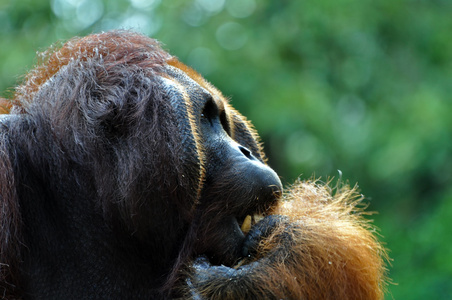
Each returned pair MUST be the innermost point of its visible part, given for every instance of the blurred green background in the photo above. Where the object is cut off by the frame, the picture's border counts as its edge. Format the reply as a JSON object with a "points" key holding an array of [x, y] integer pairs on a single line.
{"points": [[359, 86]]}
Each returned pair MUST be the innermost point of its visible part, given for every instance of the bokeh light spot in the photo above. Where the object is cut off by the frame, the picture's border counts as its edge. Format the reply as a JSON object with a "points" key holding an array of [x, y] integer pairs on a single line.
{"points": [[231, 36]]}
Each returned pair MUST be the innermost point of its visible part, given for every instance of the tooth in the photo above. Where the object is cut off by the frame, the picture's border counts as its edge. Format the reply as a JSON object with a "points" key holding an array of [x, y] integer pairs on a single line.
{"points": [[257, 218], [246, 226]]}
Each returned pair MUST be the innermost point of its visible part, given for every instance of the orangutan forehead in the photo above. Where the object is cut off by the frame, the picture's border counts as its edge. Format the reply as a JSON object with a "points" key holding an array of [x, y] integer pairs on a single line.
{"points": [[195, 76]]}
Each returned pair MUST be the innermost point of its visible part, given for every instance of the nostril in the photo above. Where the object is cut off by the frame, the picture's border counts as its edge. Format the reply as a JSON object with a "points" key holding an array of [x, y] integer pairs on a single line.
{"points": [[246, 152]]}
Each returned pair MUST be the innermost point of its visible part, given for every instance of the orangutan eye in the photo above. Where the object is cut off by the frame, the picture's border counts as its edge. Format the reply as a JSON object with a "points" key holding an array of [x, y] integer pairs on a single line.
{"points": [[210, 111]]}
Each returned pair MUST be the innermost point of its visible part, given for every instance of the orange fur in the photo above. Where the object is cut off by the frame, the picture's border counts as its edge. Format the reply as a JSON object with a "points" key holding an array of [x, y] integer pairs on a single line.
{"points": [[5, 106], [112, 47], [337, 253]]}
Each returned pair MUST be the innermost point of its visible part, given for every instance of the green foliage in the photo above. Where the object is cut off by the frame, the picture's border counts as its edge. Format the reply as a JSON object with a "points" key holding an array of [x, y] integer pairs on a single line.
{"points": [[353, 85]]}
